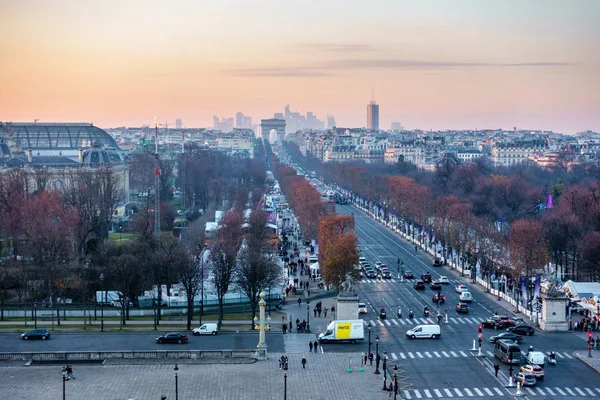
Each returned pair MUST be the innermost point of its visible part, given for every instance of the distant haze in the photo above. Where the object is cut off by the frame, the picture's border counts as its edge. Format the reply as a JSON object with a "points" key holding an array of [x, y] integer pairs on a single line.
{"points": [[461, 64]]}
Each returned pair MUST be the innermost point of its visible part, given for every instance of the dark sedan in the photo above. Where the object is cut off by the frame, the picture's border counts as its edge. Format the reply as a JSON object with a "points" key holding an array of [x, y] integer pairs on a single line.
{"points": [[419, 285], [426, 277], [462, 308], [172, 337], [507, 336], [438, 299], [435, 285], [436, 263], [505, 323], [409, 275], [386, 274], [493, 321], [41, 334], [524, 330], [371, 274]]}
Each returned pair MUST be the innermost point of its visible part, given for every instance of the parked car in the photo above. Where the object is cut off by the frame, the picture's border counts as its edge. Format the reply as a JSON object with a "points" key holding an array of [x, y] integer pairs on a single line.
{"points": [[524, 330], [173, 337], [362, 308], [443, 280], [419, 285], [462, 308], [507, 336], [409, 275], [436, 263], [42, 334], [534, 370], [526, 379], [435, 286], [461, 288]]}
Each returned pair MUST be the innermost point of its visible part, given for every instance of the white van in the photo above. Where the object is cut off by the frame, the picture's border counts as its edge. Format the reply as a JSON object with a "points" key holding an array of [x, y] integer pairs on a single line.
{"points": [[536, 358], [206, 329], [424, 331], [466, 297]]}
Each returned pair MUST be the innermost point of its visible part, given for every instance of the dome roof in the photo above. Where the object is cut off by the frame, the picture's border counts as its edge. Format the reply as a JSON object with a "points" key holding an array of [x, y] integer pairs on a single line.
{"points": [[97, 156]]}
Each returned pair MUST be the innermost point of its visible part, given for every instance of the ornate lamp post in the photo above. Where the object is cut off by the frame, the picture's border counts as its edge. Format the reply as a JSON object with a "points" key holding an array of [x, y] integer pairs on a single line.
{"points": [[102, 303], [377, 355], [307, 315], [395, 385], [261, 327], [176, 383], [285, 385], [369, 344], [35, 314], [64, 380], [384, 370]]}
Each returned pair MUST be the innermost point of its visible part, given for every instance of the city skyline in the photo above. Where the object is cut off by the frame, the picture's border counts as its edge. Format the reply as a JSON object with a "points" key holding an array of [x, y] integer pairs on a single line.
{"points": [[431, 65]]}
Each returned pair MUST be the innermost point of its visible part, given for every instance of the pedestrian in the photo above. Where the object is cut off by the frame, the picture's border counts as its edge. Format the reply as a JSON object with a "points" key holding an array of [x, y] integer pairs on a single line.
{"points": [[310, 346], [371, 359], [366, 357], [315, 311], [284, 327], [496, 369], [299, 301], [325, 313], [303, 362], [316, 346], [70, 372], [281, 362], [291, 324], [319, 312]]}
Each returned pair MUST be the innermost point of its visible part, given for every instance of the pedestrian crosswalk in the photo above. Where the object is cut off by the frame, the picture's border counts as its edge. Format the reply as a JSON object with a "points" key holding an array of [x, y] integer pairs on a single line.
{"points": [[394, 280], [418, 321], [461, 393], [416, 355]]}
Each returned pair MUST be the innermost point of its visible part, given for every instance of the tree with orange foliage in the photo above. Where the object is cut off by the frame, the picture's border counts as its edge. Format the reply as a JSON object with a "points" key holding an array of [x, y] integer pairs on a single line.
{"points": [[338, 254]]}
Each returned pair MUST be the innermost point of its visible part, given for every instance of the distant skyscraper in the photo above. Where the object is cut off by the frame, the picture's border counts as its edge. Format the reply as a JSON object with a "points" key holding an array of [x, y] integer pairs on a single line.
{"points": [[373, 116], [178, 124], [397, 126], [330, 121], [239, 120], [247, 122]]}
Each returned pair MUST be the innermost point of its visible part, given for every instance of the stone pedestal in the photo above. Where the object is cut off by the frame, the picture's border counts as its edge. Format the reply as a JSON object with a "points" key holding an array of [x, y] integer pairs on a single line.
{"points": [[347, 306], [553, 314]]}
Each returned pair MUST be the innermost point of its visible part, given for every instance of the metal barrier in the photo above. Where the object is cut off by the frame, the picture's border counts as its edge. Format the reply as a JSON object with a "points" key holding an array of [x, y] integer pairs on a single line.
{"points": [[147, 355]]}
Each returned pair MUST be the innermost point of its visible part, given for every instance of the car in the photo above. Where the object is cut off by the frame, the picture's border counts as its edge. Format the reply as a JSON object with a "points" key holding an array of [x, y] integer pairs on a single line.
{"points": [[436, 263], [206, 329], [378, 264], [386, 274], [507, 336], [524, 330], [465, 297], [461, 288], [371, 274], [172, 337], [426, 277], [526, 379], [42, 334], [438, 298], [435, 285], [534, 370], [362, 308], [443, 280], [505, 323], [409, 275], [491, 321], [382, 314], [462, 308], [419, 285]]}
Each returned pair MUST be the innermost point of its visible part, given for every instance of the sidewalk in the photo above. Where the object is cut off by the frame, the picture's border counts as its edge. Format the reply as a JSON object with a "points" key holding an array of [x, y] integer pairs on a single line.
{"points": [[592, 362]]}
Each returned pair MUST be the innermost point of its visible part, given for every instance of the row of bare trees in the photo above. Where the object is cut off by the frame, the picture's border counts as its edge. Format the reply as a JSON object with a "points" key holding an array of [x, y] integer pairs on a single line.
{"points": [[497, 215]]}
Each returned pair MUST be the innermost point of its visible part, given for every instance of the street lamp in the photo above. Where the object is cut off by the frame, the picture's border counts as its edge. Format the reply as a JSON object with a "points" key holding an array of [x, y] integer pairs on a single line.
{"points": [[377, 355], [102, 302], [64, 379], [307, 315], [35, 314], [285, 385], [369, 344], [395, 385], [384, 370], [176, 383]]}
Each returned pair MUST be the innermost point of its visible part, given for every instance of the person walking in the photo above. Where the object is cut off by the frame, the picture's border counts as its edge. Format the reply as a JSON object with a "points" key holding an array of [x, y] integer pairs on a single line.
{"points": [[316, 346], [299, 301], [371, 359], [315, 311], [496, 369], [303, 362], [310, 346], [319, 312], [366, 357], [325, 312]]}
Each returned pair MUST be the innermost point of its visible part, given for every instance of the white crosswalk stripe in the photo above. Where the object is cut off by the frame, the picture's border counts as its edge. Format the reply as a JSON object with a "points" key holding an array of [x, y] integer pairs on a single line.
{"points": [[437, 392], [560, 391], [590, 391], [581, 392], [394, 356], [395, 322], [428, 355], [436, 354], [428, 393], [551, 393], [458, 392], [419, 355], [445, 354], [468, 392], [411, 355], [380, 323], [462, 353], [387, 322], [488, 391], [448, 393], [418, 394], [540, 391], [570, 392], [528, 391], [489, 353], [402, 356], [407, 394], [499, 392], [479, 392]]}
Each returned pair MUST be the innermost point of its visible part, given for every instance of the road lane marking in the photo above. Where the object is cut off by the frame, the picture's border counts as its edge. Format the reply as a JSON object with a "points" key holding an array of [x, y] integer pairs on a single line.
{"points": [[479, 392], [395, 322], [454, 354], [560, 391], [419, 354], [437, 354], [489, 353], [468, 392], [402, 322], [589, 391], [551, 393], [570, 392], [438, 393], [380, 323], [445, 354], [418, 394], [427, 393], [394, 356], [540, 390], [458, 392], [387, 322], [448, 393], [530, 390], [407, 394], [462, 353], [581, 392], [411, 355], [489, 392], [402, 356], [499, 391], [428, 355]]}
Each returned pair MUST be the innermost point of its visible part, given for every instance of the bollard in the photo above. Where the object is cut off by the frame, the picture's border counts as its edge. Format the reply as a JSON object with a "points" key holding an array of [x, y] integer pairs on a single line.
{"points": [[474, 348], [518, 394], [479, 354]]}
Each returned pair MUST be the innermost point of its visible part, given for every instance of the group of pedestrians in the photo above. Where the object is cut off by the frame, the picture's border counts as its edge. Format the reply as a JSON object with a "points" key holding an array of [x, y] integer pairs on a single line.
{"points": [[585, 325], [284, 362], [313, 345]]}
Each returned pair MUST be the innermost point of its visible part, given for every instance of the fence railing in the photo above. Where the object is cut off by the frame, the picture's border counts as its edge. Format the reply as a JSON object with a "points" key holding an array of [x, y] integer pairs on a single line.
{"points": [[126, 355]]}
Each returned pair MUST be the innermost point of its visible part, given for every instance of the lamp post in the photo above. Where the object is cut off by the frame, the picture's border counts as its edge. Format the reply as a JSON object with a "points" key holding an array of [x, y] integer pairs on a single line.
{"points": [[384, 370], [64, 379], [377, 355], [395, 385], [307, 315], [262, 327], [35, 315], [176, 382], [285, 385], [369, 344], [102, 303]]}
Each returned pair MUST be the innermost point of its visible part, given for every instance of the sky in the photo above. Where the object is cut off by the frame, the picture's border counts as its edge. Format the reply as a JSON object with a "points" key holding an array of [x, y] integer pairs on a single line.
{"points": [[460, 64]]}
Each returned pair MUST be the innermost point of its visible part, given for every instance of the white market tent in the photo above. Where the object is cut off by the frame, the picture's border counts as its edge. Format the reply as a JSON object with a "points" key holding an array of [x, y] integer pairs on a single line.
{"points": [[314, 267], [587, 294]]}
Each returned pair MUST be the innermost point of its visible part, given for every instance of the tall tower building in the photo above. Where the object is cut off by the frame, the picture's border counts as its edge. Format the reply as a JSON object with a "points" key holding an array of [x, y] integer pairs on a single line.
{"points": [[373, 116], [239, 120], [178, 124]]}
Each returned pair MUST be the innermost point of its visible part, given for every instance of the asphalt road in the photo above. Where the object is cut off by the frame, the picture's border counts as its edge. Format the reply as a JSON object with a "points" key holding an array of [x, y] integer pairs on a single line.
{"points": [[445, 362], [10, 342]]}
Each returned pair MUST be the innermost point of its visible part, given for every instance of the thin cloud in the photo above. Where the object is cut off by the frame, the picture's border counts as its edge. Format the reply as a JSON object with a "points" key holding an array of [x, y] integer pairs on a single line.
{"points": [[337, 47], [420, 64], [277, 72]]}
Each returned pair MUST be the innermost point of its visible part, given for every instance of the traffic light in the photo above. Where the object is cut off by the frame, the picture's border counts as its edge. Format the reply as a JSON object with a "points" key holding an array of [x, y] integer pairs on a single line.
{"points": [[590, 338], [480, 336], [480, 329]]}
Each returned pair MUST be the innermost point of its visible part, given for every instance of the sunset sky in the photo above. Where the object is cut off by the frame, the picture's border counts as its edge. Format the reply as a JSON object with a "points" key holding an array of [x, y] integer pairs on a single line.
{"points": [[431, 64]]}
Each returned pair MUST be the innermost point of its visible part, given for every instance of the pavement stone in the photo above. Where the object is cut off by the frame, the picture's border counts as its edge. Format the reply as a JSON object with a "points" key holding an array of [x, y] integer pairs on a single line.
{"points": [[325, 377]]}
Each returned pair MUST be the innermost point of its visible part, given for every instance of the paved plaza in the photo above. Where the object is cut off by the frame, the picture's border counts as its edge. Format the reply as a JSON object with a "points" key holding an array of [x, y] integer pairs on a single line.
{"points": [[325, 377]]}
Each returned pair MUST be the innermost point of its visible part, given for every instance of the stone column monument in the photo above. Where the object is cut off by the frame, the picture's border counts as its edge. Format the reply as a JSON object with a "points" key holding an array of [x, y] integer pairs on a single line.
{"points": [[554, 312], [347, 301]]}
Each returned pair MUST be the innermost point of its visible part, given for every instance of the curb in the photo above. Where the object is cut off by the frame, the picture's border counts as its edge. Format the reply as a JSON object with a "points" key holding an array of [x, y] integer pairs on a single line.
{"points": [[587, 362]]}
